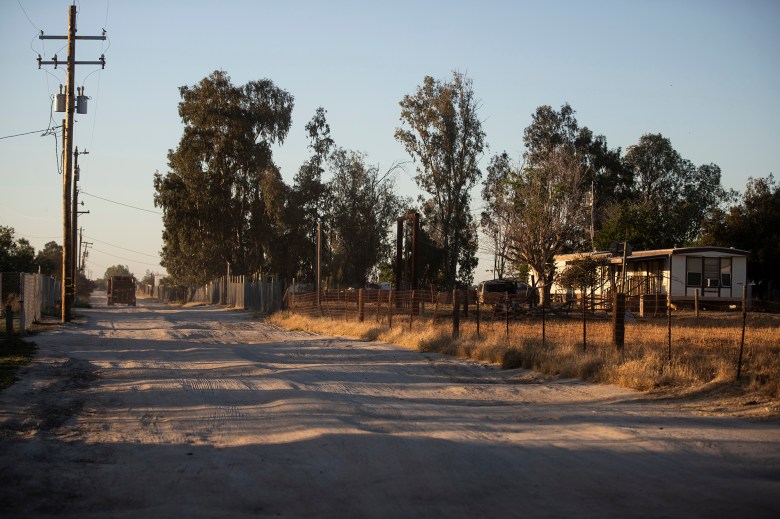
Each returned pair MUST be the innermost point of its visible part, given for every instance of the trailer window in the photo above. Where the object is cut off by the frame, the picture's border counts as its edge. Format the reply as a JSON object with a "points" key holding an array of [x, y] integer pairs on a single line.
{"points": [[725, 272], [693, 271]]}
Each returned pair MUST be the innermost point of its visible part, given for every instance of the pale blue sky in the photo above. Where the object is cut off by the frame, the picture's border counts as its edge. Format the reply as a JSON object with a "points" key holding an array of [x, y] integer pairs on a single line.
{"points": [[703, 73]]}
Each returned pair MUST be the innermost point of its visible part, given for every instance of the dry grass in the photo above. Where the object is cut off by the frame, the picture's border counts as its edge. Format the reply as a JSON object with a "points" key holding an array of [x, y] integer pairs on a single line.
{"points": [[704, 350]]}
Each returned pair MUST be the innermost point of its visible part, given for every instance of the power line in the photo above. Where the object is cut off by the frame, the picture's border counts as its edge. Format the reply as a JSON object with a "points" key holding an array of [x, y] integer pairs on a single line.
{"points": [[26, 15], [45, 130], [126, 259], [120, 203], [118, 247]]}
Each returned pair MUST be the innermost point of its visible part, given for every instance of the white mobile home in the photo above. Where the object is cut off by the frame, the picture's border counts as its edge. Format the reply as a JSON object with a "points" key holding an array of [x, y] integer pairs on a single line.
{"points": [[718, 273]]}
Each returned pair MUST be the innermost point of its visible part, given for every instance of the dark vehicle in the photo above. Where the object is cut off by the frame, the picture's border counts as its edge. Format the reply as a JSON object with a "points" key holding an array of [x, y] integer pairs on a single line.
{"points": [[121, 290], [498, 292]]}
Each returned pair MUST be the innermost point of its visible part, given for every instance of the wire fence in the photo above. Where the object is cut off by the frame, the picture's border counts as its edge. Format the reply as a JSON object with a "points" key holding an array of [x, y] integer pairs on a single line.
{"points": [[28, 297], [645, 327], [259, 293]]}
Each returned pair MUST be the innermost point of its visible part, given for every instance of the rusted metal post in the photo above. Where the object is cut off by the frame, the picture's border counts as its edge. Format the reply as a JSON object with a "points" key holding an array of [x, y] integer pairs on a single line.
{"points": [[696, 301], [361, 306]]}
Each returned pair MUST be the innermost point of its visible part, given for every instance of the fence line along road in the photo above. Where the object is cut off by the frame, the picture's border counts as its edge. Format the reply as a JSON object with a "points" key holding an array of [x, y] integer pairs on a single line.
{"points": [[576, 325], [29, 297], [259, 293]]}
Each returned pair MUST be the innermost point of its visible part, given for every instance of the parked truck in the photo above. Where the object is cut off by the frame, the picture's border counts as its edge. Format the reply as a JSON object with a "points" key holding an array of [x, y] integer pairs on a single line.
{"points": [[121, 290]]}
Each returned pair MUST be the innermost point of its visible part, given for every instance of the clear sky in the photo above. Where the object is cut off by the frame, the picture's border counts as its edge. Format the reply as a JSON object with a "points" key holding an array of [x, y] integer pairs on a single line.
{"points": [[705, 74]]}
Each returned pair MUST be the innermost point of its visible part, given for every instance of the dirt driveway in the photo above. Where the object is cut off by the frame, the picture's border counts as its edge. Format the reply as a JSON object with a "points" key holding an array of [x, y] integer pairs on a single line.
{"points": [[160, 411]]}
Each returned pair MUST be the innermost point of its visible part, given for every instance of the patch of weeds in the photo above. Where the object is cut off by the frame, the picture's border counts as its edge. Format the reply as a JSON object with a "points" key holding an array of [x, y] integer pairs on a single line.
{"points": [[14, 354]]}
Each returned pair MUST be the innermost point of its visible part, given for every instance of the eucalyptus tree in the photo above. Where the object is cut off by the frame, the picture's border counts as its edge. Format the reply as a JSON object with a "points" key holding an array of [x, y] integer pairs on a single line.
{"points": [[219, 211], [496, 218], [362, 209], [442, 133], [309, 196], [668, 199]]}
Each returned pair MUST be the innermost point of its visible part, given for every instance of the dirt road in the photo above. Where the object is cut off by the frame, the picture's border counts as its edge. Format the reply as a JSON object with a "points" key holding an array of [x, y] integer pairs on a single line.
{"points": [[160, 411]]}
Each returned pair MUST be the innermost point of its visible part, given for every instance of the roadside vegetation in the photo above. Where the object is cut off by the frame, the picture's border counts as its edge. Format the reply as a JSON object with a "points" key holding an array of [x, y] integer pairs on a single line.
{"points": [[704, 350], [14, 354]]}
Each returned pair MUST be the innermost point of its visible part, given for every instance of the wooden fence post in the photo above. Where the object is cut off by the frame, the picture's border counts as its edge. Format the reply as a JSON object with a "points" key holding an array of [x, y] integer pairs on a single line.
{"points": [[477, 303], [619, 321], [584, 321], [744, 322], [506, 307], [411, 312], [696, 301], [455, 314], [361, 306], [390, 310]]}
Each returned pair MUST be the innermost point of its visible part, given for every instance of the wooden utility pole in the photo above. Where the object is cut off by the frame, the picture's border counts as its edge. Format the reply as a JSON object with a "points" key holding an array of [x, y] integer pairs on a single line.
{"points": [[75, 223], [68, 241]]}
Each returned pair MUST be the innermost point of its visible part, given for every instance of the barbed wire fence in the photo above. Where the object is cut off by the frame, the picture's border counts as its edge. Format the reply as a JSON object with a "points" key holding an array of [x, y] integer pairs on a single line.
{"points": [[582, 325]]}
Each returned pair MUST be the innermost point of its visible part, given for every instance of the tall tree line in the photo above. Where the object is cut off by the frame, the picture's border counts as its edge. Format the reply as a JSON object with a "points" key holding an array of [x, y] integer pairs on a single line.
{"points": [[227, 208]]}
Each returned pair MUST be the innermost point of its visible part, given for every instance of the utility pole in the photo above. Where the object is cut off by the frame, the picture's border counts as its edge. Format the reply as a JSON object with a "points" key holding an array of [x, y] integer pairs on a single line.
{"points": [[84, 254], [75, 225], [67, 134], [81, 243]]}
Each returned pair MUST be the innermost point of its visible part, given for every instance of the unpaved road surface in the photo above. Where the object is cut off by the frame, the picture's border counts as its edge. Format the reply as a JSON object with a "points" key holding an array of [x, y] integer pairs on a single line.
{"points": [[162, 411]]}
